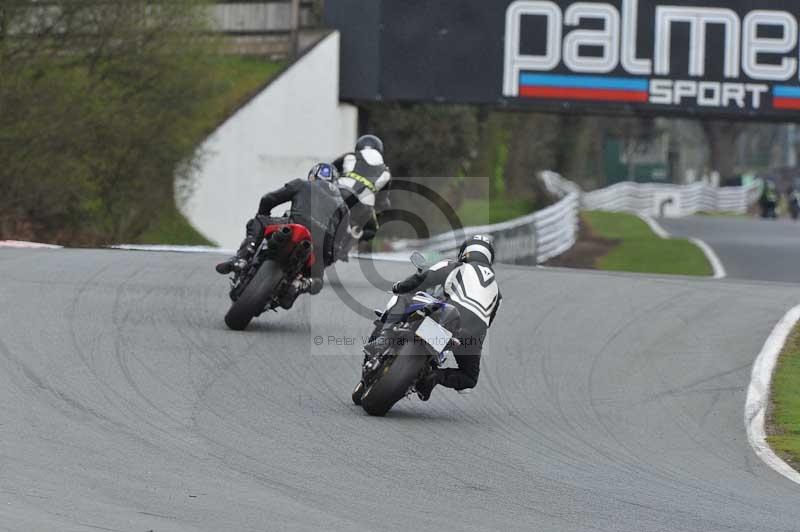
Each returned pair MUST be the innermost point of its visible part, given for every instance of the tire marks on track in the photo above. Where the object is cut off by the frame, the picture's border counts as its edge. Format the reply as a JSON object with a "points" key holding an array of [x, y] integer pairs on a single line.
{"points": [[588, 415]]}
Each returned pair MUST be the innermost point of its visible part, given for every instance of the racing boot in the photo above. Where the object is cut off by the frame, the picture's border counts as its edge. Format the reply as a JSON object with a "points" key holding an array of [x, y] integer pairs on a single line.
{"points": [[288, 297], [238, 261], [312, 285], [426, 384]]}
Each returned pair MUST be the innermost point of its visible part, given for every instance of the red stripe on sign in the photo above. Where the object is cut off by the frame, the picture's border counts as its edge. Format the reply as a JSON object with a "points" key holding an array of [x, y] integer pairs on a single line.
{"points": [[786, 103], [608, 95]]}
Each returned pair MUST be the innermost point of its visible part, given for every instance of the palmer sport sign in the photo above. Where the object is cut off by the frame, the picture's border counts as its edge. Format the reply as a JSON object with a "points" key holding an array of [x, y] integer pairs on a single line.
{"points": [[734, 57], [757, 52]]}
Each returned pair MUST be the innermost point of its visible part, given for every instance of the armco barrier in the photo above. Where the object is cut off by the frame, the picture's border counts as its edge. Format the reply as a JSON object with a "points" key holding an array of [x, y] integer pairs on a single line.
{"points": [[671, 200], [547, 233]]}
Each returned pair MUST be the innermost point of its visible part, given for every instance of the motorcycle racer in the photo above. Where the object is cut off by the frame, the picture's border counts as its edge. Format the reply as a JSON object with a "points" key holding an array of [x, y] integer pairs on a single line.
{"points": [[317, 204], [470, 285], [362, 182]]}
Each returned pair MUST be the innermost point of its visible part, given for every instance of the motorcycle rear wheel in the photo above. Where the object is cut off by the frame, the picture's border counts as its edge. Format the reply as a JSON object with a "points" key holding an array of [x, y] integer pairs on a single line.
{"points": [[393, 381], [255, 296]]}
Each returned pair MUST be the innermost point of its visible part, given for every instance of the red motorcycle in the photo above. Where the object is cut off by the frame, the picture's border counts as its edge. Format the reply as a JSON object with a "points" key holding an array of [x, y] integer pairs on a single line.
{"points": [[283, 255]]}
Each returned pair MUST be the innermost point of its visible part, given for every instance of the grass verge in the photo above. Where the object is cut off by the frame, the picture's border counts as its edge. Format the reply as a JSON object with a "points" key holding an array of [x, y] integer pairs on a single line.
{"points": [[641, 250], [783, 423], [238, 79], [473, 212], [172, 228]]}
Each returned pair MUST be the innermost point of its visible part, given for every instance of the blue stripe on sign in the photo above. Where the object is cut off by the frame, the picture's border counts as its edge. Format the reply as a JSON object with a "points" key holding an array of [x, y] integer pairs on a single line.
{"points": [[786, 91], [583, 82]]}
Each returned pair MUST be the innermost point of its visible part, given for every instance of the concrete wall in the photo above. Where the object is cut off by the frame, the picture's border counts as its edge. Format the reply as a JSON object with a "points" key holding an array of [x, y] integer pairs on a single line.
{"points": [[294, 123]]}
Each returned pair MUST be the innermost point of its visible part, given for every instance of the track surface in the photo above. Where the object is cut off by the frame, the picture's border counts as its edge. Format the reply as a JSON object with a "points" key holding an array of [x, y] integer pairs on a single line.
{"points": [[606, 402], [767, 250]]}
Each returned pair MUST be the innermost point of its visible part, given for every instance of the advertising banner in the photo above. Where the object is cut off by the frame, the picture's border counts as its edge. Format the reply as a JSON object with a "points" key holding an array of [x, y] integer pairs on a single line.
{"points": [[736, 58]]}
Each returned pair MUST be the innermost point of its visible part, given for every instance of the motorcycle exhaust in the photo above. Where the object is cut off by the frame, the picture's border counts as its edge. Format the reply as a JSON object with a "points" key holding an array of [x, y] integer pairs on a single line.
{"points": [[303, 250], [300, 254], [279, 237]]}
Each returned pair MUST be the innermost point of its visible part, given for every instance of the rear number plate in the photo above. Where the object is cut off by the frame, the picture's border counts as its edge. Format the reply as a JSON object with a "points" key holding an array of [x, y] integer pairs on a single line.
{"points": [[434, 334]]}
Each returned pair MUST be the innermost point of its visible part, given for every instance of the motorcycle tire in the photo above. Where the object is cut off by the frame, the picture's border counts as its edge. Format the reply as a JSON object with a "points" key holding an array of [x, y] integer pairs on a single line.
{"points": [[393, 381], [255, 296]]}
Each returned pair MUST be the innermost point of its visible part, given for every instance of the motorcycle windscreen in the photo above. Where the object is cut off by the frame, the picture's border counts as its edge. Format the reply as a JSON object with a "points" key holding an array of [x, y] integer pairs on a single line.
{"points": [[434, 334]]}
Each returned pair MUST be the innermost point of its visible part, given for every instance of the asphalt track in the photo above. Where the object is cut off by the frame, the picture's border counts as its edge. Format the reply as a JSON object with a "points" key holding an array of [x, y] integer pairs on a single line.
{"points": [[606, 403], [750, 248]]}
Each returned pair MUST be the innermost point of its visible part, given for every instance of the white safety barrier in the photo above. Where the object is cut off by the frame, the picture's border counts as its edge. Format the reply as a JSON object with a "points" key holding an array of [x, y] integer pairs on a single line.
{"points": [[671, 200], [552, 231], [540, 235], [557, 185]]}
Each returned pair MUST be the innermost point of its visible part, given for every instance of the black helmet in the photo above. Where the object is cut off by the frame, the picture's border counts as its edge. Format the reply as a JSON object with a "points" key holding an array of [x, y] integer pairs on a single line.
{"points": [[323, 171], [369, 141], [477, 248]]}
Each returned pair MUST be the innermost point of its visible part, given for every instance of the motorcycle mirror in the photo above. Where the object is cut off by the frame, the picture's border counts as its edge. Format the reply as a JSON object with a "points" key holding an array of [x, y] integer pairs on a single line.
{"points": [[418, 260]]}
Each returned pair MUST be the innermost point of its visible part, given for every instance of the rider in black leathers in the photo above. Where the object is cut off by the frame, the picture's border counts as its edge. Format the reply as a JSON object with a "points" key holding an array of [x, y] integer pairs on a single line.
{"points": [[769, 199], [469, 284], [363, 177], [316, 204]]}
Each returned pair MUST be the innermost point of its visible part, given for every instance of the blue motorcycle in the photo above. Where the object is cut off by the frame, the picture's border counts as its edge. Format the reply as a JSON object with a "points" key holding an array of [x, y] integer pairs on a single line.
{"points": [[416, 332]]}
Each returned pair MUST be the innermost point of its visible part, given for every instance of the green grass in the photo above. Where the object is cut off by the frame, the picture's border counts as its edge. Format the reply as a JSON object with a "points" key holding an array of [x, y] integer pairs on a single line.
{"points": [[641, 250], [784, 420], [172, 228], [483, 212], [239, 79]]}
